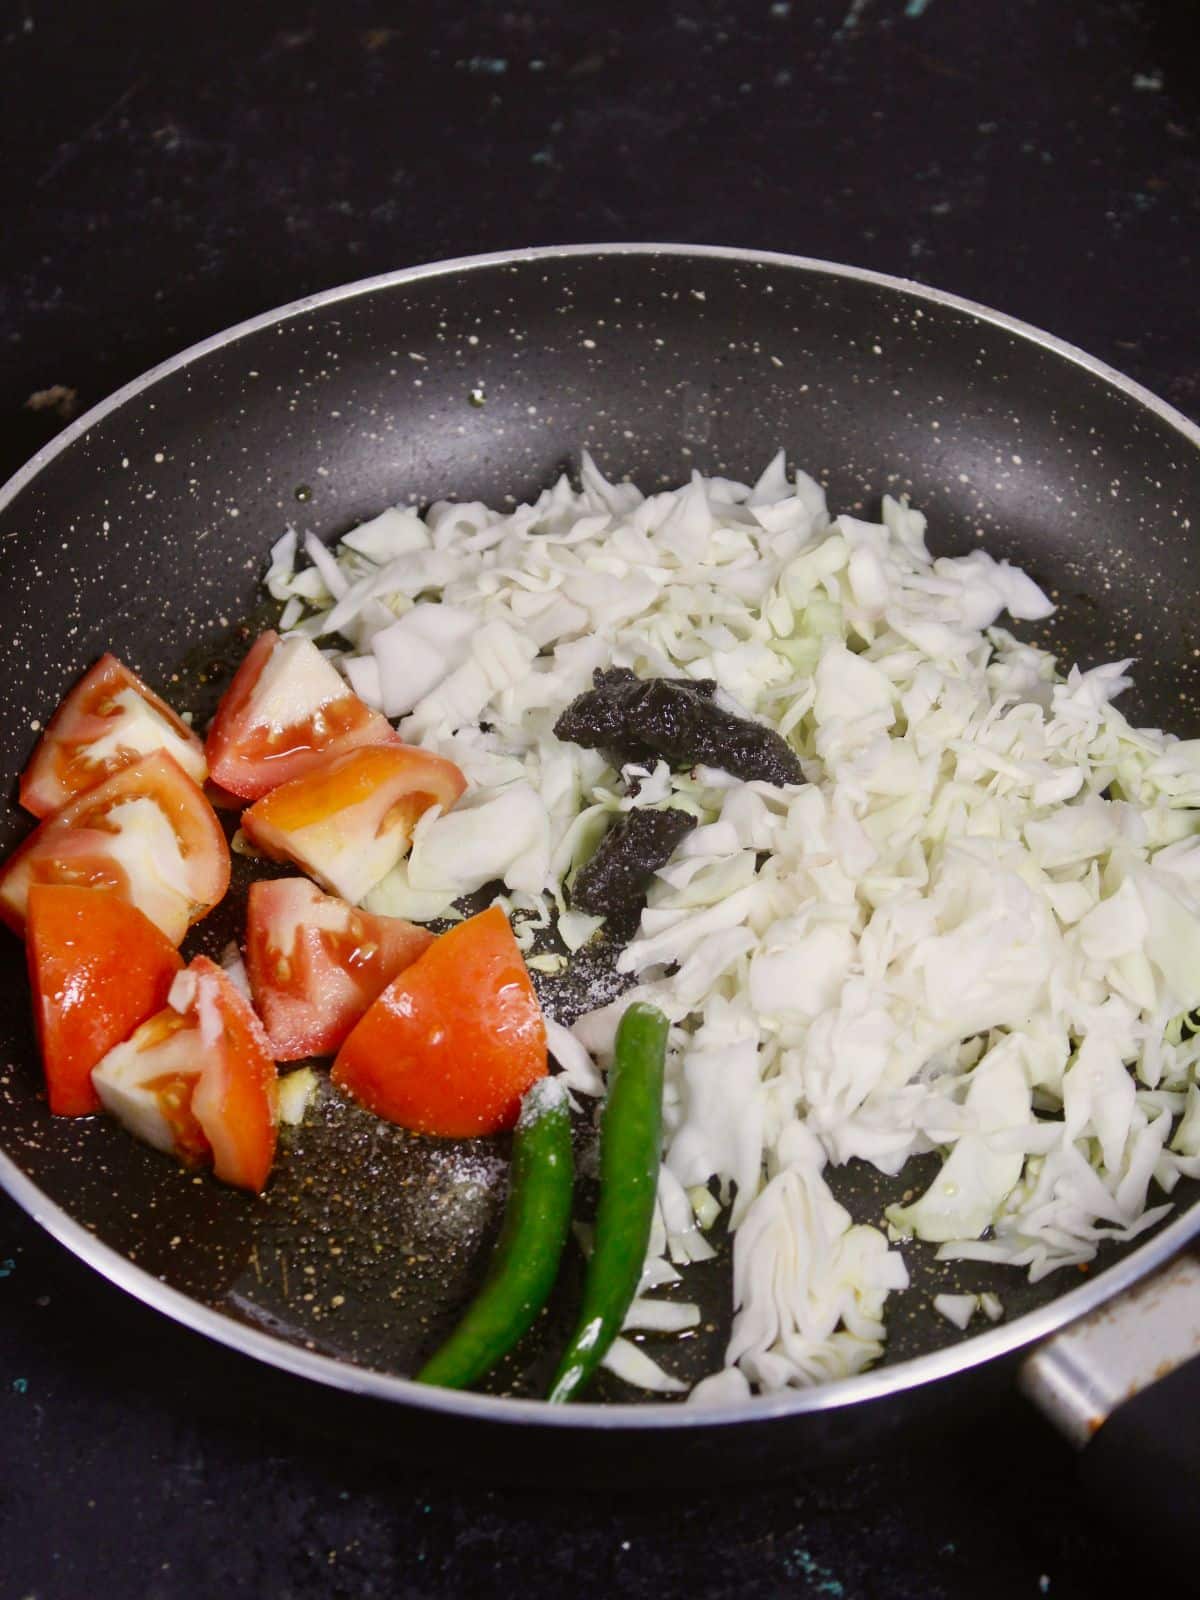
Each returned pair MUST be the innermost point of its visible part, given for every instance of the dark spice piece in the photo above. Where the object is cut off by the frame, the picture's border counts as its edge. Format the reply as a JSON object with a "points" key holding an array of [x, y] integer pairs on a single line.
{"points": [[675, 719], [615, 879]]}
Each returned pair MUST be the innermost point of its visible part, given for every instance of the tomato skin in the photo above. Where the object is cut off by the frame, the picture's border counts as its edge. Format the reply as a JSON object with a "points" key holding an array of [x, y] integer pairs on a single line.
{"points": [[315, 963], [250, 753], [349, 819], [103, 710], [97, 968], [454, 1042], [197, 1079], [237, 1099], [80, 843]]}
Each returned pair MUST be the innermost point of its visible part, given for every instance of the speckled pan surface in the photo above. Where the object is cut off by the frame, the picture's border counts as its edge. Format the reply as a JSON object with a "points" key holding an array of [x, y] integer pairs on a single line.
{"points": [[144, 529]]}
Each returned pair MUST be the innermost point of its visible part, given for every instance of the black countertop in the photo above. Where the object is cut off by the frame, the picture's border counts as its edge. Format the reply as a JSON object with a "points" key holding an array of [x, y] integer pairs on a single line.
{"points": [[173, 170]]}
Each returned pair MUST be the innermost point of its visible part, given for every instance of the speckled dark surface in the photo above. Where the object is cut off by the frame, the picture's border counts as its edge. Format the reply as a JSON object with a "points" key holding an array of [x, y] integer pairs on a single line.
{"points": [[166, 178]]}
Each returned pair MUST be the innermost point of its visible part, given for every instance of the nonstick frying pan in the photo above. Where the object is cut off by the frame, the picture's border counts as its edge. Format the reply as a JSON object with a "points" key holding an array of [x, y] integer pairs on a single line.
{"points": [[144, 527]]}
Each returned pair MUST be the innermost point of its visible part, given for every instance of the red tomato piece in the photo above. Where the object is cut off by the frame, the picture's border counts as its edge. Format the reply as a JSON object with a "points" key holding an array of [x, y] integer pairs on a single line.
{"points": [[349, 819], [108, 720], [146, 832], [315, 963], [286, 708], [97, 967], [198, 1081], [453, 1043]]}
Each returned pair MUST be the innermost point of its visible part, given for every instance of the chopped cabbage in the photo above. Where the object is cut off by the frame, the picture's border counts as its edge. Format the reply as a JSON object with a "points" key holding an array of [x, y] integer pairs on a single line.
{"points": [[632, 1364], [973, 930], [957, 1308]]}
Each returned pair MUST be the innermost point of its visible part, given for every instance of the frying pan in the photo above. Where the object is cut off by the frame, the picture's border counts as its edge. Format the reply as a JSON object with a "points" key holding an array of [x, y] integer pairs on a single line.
{"points": [[144, 527]]}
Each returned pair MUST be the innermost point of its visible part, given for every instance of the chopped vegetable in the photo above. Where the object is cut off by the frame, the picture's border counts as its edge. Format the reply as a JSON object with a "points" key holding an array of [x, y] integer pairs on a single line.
{"points": [[315, 964], [349, 819], [809, 1284], [417, 651], [630, 1363], [97, 968], [614, 880], [992, 1306], [980, 1172], [234, 969], [956, 1308], [146, 832], [661, 1316], [285, 710], [525, 1260], [296, 1089], [630, 1138], [455, 1041], [197, 1080], [107, 721], [678, 720], [454, 854]]}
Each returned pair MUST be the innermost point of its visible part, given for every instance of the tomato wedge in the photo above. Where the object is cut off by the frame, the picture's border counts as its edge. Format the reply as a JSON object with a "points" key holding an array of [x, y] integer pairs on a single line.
{"points": [[286, 708], [97, 967], [316, 964], [453, 1043], [349, 819], [197, 1080], [146, 832], [108, 720]]}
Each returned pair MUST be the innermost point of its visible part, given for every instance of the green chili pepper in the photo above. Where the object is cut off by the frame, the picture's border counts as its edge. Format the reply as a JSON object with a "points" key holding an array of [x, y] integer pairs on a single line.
{"points": [[525, 1261], [630, 1140]]}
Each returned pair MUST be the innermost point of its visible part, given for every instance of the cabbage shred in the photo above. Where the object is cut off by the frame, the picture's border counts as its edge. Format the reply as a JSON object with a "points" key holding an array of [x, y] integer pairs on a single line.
{"points": [[973, 929]]}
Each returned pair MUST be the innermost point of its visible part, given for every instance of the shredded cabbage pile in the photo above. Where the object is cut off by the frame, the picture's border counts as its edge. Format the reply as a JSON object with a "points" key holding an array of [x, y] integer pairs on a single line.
{"points": [[974, 929]]}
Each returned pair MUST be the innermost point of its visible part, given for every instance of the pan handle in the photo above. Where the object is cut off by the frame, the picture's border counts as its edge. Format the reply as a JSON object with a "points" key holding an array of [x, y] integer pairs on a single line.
{"points": [[1123, 1386]]}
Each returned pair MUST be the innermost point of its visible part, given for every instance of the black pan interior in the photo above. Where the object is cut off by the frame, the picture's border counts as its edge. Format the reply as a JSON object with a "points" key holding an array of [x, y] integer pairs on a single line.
{"points": [[148, 535]]}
